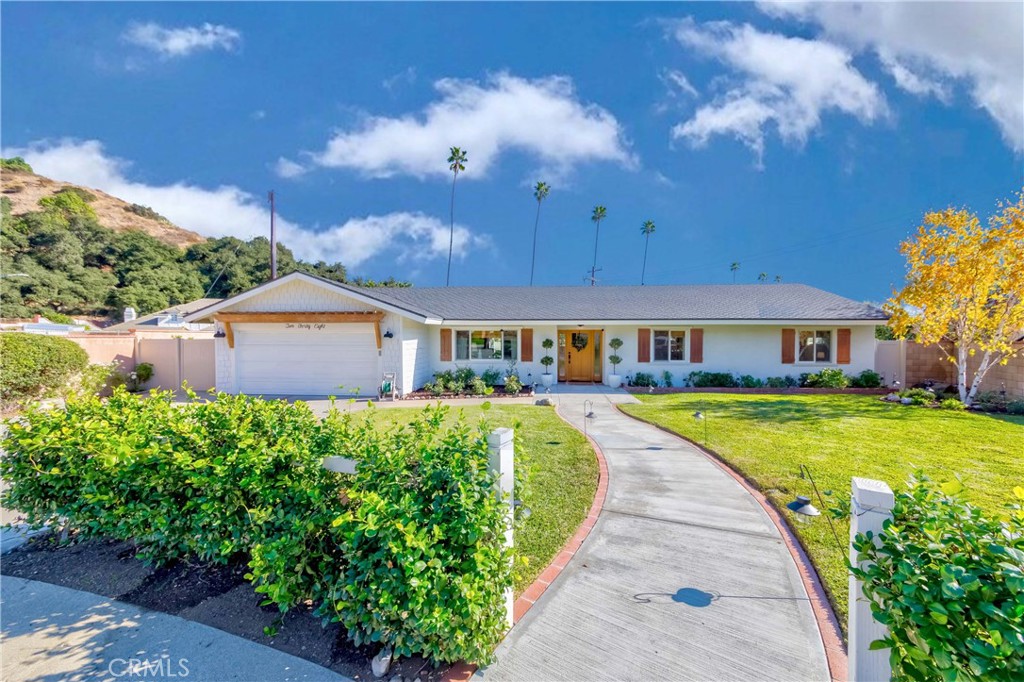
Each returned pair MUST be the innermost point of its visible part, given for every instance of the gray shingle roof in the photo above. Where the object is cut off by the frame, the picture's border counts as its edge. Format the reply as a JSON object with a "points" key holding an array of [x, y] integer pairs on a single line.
{"points": [[676, 302], [150, 320]]}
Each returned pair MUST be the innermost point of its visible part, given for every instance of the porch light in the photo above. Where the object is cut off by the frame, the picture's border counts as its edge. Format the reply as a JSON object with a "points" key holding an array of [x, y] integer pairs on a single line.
{"points": [[219, 334], [388, 334]]}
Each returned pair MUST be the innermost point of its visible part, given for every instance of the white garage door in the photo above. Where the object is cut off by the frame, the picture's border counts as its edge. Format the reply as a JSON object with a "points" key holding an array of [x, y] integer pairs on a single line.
{"points": [[306, 359]]}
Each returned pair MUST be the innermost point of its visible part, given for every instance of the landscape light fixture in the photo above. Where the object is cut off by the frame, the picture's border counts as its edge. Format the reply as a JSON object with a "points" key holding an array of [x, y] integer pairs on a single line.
{"points": [[805, 511], [701, 417], [522, 509], [588, 414]]}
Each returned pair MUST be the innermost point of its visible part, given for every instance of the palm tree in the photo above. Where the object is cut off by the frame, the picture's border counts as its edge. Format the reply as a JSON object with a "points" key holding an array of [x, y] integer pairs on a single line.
{"points": [[456, 163], [763, 277], [647, 229], [733, 269], [778, 279], [540, 192], [599, 214]]}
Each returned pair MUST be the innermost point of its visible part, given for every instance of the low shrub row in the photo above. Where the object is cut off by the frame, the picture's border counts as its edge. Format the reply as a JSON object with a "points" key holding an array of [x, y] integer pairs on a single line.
{"points": [[826, 378], [464, 381], [988, 401], [948, 582], [408, 552]]}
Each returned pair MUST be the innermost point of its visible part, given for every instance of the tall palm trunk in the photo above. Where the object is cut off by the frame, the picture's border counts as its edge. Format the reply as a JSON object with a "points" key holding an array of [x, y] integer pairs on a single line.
{"points": [[593, 268], [533, 261], [643, 271], [451, 233]]}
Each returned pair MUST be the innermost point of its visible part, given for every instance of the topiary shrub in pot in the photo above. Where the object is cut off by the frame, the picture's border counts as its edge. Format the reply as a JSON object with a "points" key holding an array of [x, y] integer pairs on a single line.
{"points": [[615, 379], [547, 378]]}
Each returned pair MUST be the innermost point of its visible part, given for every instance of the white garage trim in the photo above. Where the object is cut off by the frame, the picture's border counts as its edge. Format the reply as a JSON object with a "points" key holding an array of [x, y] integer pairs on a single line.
{"points": [[306, 358]]}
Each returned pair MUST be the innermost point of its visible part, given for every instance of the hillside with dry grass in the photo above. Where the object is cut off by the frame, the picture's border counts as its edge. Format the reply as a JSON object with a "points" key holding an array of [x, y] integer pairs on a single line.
{"points": [[25, 189]]}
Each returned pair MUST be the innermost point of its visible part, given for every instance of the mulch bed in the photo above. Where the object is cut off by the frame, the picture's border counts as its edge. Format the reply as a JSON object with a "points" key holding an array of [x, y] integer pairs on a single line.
{"points": [[218, 596], [658, 390]]}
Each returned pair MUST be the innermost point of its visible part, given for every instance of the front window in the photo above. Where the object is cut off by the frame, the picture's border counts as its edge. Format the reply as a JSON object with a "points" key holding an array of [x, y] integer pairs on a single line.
{"points": [[814, 345], [669, 345], [486, 344]]}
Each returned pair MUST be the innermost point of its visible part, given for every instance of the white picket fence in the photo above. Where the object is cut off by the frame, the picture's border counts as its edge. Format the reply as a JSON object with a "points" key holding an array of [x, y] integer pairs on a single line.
{"points": [[871, 505]]}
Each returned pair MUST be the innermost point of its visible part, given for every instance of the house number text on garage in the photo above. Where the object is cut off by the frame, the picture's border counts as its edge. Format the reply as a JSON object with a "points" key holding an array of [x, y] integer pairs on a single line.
{"points": [[305, 325]]}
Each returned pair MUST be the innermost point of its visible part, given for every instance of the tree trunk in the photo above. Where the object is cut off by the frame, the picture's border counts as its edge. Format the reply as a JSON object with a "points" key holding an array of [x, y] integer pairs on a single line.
{"points": [[986, 360], [961, 373], [451, 233], [533, 261], [643, 271]]}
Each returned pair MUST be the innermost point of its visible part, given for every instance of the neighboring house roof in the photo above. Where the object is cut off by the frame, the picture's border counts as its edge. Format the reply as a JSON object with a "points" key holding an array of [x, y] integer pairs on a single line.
{"points": [[151, 321], [724, 302]]}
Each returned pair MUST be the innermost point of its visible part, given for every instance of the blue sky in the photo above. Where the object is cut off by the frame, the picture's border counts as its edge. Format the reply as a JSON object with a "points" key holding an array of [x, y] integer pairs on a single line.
{"points": [[803, 141]]}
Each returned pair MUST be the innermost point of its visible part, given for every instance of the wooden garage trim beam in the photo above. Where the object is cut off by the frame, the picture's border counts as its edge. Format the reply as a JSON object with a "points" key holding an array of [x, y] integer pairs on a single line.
{"points": [[358, 316]]}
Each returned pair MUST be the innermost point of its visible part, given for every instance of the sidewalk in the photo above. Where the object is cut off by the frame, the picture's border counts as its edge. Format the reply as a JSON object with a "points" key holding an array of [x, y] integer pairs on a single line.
{"points": [[51, 633], [684, 577]]}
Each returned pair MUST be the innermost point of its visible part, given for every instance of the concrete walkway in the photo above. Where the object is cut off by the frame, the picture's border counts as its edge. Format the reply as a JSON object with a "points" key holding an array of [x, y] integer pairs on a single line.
{"points": [[684, 577], [51, 633]]}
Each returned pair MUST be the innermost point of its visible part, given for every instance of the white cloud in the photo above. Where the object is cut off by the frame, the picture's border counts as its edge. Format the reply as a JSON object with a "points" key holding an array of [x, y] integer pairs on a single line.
{"points": [[677, 80], [286, 168], [980, 44], [406, 76], [230, 211], [542, 117], [914, 80], [181, 41], [788, 82]]}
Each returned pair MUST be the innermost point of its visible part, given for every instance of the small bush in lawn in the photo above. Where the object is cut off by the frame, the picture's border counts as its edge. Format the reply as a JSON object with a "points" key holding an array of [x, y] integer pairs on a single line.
{"points": [[1015, 407], [34, 365], [952, 404], [512, 384], [712, 380], [644, 379], [948, 583], [826, 378], [866, 379]]}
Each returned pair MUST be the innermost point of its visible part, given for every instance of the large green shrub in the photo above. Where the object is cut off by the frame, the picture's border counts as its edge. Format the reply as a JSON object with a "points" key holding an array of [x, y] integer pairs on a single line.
{"points": [[408, 552], [829, 377], [866, 379], [949, 584], [427, 568], [33, 365]]}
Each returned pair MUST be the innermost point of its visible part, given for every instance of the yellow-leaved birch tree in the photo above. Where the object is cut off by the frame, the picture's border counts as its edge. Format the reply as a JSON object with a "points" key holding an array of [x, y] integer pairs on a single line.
{"points": [[964, 289]]}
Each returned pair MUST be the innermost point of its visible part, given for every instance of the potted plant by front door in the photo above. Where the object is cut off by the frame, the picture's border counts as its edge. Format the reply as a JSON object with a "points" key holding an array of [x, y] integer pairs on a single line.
{"points": [[614, 380], [546, 378]]}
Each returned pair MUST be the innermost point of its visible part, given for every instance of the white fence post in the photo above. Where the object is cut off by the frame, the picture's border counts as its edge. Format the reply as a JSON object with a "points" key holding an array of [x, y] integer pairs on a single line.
{"points": [[872, 504], [502, 461]]}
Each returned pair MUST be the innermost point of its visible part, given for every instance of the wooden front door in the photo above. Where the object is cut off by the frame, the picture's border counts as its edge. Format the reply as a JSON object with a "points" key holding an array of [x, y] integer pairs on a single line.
{"points": [[581, 346]]}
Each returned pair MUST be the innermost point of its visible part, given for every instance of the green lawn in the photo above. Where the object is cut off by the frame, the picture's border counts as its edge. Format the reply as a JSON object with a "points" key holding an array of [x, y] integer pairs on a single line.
{"points": [[767, 437], [562, 482]]}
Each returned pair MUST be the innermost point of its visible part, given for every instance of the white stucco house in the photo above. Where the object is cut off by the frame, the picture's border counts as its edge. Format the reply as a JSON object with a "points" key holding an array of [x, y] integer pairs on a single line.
{"points": [[301, 335]]}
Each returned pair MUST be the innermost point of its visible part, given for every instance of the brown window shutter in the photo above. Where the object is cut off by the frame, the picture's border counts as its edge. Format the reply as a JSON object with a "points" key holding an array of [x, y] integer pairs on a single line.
{"points": [[446, 345], [526, 345], [696, 345], [788, 346], [643, 345], [843, 346]]}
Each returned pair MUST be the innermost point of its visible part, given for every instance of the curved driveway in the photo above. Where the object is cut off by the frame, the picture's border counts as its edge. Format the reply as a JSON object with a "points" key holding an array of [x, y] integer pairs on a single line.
{"points": [[684, 576]]}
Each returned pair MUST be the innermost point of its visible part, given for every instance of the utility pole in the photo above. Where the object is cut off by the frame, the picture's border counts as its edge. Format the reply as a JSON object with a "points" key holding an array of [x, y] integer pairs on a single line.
{"points": [[273, 238]]}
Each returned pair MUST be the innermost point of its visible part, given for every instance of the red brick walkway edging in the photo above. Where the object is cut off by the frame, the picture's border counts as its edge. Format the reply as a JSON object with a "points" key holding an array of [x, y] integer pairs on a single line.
{"points": [[828, 624], [461, 672]]}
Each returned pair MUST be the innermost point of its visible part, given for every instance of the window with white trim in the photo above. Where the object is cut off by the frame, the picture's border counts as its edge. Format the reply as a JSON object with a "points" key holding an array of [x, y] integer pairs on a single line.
{"points": [[486, 344], [669, 345], [814, 346]]}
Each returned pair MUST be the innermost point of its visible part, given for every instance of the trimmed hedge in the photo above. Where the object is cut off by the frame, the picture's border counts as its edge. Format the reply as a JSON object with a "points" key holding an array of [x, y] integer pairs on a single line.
{"points": [[34, 365], [948, 582], [409, 552]]}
